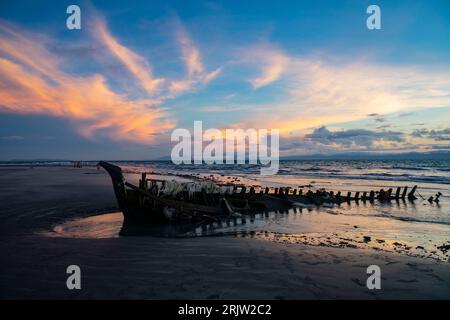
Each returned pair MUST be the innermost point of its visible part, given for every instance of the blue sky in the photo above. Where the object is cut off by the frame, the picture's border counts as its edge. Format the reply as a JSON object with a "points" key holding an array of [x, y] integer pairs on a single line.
{"points": [[137, 70]]}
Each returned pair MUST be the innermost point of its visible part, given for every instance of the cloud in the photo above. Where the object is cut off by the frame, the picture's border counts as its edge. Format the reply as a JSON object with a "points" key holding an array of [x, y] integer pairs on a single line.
{"points": [[436, 135], [441, 147], [352, 138], [321, 140], [137, 65], [32, 81], [406, 114], [325, 141], [315, 92], [273, 64], [196, 73], [419, 133], [377, 117], [228, 108], [12, 138]]}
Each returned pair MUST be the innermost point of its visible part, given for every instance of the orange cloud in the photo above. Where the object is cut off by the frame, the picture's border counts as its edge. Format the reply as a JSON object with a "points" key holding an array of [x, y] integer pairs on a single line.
{"points": [[316, 92], [273, 62], [32, 81]]}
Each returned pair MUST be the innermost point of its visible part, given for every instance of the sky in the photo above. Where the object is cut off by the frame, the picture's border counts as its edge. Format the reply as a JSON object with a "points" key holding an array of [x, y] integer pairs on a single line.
{"points": [[137, 70]]}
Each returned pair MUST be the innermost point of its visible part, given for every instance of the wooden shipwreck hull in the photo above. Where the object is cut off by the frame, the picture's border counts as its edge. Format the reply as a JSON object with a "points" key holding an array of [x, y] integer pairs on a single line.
{"points": [[147, 203]]}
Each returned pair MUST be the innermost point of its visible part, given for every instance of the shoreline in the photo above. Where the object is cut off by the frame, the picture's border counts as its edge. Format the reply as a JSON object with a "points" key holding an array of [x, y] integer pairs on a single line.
{"points": [[146, 267]]}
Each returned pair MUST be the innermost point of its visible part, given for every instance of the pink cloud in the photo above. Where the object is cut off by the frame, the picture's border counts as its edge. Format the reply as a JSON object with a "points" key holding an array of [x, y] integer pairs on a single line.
{"points": [[32, 81]]}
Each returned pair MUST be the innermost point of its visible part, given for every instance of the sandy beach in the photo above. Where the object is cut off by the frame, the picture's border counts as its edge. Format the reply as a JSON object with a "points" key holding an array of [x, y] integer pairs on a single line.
{"points": [[35, 200]]}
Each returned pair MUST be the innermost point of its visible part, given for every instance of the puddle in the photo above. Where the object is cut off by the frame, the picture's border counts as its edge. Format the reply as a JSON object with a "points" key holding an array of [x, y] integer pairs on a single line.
{"points": [[95, 227]]}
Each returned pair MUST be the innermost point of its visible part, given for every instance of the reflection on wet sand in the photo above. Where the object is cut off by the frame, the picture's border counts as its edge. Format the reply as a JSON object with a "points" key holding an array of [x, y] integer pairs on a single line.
{"points": [[332, 227]]}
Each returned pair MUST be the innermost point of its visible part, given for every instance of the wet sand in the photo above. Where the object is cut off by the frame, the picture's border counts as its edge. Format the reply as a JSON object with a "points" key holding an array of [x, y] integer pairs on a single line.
{"points": [[34, 201]]}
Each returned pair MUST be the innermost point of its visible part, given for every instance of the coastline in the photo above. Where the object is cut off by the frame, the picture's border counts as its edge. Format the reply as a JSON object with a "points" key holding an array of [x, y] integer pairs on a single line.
{"points": [[139, 267]]}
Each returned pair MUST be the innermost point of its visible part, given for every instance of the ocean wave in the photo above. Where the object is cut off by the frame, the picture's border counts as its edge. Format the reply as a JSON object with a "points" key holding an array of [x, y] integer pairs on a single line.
{"points": [[404, 177], [373, 176], [317, 169], [410, 219], [407, 168]]}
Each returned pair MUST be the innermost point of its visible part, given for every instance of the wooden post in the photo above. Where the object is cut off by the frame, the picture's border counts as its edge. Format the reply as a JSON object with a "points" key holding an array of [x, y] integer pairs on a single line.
{"points": [[397, 193], [276, 190], [411, 194], [357, 196], [267, 190], [389, 194], [142, 185], [300, 192], [143, 182], [252, 190], [243, 189], [382, 195], [364, 196], [338, 197], [294, 192], [404, 192], [349, 196], [372, 195]]}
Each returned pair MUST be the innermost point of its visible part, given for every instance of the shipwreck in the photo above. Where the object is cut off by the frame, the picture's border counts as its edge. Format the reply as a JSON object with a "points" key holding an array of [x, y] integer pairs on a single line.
{"points": [[161, 201]]}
